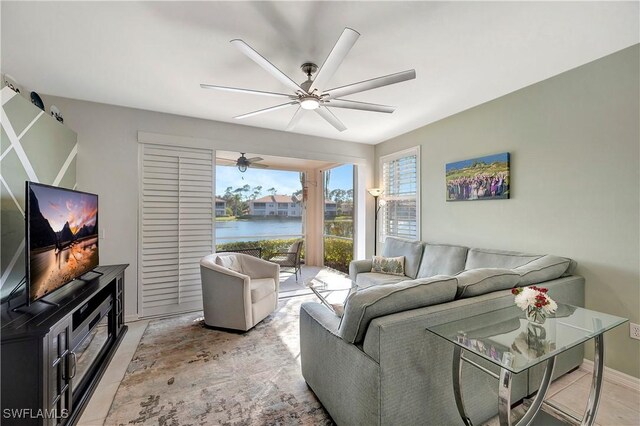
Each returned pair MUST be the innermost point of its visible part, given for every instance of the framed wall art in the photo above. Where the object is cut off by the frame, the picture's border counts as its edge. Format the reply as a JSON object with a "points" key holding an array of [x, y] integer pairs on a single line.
{"points": [[484, 178]]}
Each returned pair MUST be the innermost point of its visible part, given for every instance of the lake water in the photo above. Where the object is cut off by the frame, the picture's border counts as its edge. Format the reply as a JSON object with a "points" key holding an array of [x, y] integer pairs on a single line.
{"points": [[252, 230]]}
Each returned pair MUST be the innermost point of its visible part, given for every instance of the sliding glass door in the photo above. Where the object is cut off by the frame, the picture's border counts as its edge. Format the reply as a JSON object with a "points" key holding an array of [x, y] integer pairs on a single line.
{"points": [[338, 217]]}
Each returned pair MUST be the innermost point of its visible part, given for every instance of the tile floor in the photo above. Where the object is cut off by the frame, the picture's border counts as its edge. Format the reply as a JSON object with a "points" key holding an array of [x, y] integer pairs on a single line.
{"points": [[98, 407], [619, 406]]}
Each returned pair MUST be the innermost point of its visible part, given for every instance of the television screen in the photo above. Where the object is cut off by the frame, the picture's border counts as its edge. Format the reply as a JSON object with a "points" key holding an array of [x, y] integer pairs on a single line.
{"points": [[62, 237]]}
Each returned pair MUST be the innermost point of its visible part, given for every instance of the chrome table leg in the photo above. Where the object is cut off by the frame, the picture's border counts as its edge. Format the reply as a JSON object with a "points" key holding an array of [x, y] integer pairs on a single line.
{"points": [[596, 382], [504, 393], [457, 384]]}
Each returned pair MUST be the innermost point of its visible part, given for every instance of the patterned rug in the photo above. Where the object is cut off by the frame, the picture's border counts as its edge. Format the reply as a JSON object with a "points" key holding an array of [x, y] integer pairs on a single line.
{"points": [[185, 374]]}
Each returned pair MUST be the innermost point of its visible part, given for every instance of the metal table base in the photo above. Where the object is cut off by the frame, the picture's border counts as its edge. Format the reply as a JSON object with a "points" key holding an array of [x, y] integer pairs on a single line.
{"points": [[504, 389]]}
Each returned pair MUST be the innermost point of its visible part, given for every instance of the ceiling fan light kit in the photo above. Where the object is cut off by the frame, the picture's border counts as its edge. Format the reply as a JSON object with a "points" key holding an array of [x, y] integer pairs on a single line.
{"points": [[311, 95]]}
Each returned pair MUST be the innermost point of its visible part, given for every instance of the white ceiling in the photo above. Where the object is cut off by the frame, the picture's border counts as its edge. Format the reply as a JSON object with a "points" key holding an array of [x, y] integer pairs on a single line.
{"points": [[154, 55], [274, 162]]}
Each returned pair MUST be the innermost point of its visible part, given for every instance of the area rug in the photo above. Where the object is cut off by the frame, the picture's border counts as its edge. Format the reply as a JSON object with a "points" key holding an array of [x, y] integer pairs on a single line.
{"points": [[185, 374]]}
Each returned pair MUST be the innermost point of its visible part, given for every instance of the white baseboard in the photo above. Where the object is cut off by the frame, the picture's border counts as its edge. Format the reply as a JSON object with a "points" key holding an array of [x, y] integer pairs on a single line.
{"points": [[131, 318], [614, 376]]}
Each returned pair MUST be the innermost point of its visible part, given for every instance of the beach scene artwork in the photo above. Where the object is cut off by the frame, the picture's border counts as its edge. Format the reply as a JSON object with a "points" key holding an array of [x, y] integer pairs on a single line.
{"points": [[484, 178]]}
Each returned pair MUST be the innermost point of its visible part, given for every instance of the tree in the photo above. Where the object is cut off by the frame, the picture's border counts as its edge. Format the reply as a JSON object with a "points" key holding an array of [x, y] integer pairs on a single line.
{"points": [[257, 191], [272, 191]]}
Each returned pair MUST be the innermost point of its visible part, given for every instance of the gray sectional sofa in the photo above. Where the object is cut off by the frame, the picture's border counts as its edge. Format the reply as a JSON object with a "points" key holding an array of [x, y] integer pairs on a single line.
{"points": [[378, 365]]}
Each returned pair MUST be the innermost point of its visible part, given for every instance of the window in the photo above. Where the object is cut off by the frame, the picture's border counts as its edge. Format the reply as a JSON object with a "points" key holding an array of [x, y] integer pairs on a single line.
{"points": [[400, 177]]}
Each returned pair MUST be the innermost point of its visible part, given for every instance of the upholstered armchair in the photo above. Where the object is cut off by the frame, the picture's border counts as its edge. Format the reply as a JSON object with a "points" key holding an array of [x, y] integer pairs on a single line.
{"points": [[238, 290]]}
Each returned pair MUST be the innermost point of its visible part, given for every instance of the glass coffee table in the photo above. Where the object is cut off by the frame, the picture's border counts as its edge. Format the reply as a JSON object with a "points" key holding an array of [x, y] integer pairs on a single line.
{"points": [[332, 290], [506, 339]]}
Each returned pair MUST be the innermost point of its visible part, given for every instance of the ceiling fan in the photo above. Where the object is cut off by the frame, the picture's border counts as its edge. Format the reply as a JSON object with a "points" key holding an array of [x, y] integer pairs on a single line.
{"points": [[243, 163], [312, 94]]}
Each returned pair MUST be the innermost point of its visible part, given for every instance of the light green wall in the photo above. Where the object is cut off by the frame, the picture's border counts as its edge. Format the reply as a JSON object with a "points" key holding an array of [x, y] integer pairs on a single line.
{"points": [[46, 145], [574, 143]]}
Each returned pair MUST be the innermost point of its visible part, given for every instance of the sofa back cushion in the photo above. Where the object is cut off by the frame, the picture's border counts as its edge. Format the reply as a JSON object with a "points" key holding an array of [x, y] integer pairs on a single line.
{"points": [[475, 282], [442, 259], [542, 269], [484, 258], [411, 250], [364, 305]]}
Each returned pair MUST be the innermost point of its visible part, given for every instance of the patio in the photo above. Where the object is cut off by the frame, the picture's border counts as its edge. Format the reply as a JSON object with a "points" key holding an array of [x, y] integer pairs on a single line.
{"points": [[290, 288]]}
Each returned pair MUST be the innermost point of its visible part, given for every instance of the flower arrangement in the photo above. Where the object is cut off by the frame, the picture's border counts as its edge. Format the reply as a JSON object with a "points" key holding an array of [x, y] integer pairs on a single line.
{"points": [[535, 302]]}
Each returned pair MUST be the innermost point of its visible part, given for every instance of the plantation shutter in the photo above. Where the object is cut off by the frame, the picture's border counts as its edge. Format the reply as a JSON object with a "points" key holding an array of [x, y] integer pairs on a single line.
{"points": [[176, 228], [401, 183]]}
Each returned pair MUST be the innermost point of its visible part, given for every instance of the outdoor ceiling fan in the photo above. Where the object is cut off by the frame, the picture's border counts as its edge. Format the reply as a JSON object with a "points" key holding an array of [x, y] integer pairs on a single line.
{"points": [[243, 163], [312, 93]]}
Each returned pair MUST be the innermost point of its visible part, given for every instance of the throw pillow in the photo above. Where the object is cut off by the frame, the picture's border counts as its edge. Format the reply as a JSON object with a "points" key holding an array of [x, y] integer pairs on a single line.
{"points": [[230, 261], [388, 265], [475, 282]]}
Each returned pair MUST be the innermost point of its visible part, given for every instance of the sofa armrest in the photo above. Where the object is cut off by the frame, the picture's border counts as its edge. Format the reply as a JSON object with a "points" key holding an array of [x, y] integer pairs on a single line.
{"points": [[323, 316], [359, 266]]}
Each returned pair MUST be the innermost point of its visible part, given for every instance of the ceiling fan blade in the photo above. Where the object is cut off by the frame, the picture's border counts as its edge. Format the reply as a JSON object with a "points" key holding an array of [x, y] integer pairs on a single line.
{"points": [[249, 91], [255, 159], [364, 106], [258, 166], [332, 119], [296, 117], [268, 66], [344, 44], [374, 83], [261, 111], [225, 162]]}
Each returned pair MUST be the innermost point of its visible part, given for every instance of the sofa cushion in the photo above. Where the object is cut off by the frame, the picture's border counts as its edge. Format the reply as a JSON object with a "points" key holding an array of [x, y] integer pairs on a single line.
{"points": [[543, 269], [442, 259], [388, 265], [366, 304], [411, 250], [368, 279], [261, 288], [483, 258], [475, 282], [229, 261]]}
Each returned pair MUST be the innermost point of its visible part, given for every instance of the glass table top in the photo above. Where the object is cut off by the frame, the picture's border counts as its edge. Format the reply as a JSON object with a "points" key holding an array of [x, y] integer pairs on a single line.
{"points": [[506, 338]]}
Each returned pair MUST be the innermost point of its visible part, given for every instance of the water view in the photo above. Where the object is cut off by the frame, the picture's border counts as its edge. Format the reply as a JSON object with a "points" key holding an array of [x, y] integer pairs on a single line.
{"points": [[257, 229]]}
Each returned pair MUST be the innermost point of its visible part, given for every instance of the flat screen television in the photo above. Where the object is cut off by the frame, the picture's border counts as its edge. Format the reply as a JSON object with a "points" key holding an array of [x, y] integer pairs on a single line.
{"points": [[61, 237]]}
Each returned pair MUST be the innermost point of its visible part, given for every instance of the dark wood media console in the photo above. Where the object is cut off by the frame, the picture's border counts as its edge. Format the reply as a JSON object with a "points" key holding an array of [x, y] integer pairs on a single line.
{"points": [[54, 356]]}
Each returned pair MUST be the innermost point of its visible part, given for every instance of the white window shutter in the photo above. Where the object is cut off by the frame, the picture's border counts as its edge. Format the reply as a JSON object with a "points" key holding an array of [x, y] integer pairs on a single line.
{"points": [[400, 178], [176, 223]]}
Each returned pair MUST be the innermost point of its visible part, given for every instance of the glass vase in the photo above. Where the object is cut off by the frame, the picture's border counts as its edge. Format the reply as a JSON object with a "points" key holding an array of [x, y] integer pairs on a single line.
{"points": [[536, 316]]}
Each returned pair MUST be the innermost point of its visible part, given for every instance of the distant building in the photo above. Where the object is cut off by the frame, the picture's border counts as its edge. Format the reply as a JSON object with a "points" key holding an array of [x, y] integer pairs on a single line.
{"points": [[221, 207], [276, 205], [330, 208], [346, 208]]}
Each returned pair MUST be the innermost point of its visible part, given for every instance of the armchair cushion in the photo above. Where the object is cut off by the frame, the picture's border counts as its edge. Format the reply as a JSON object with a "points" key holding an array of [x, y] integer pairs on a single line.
{"points": [[261, 288], [229, 261]]}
